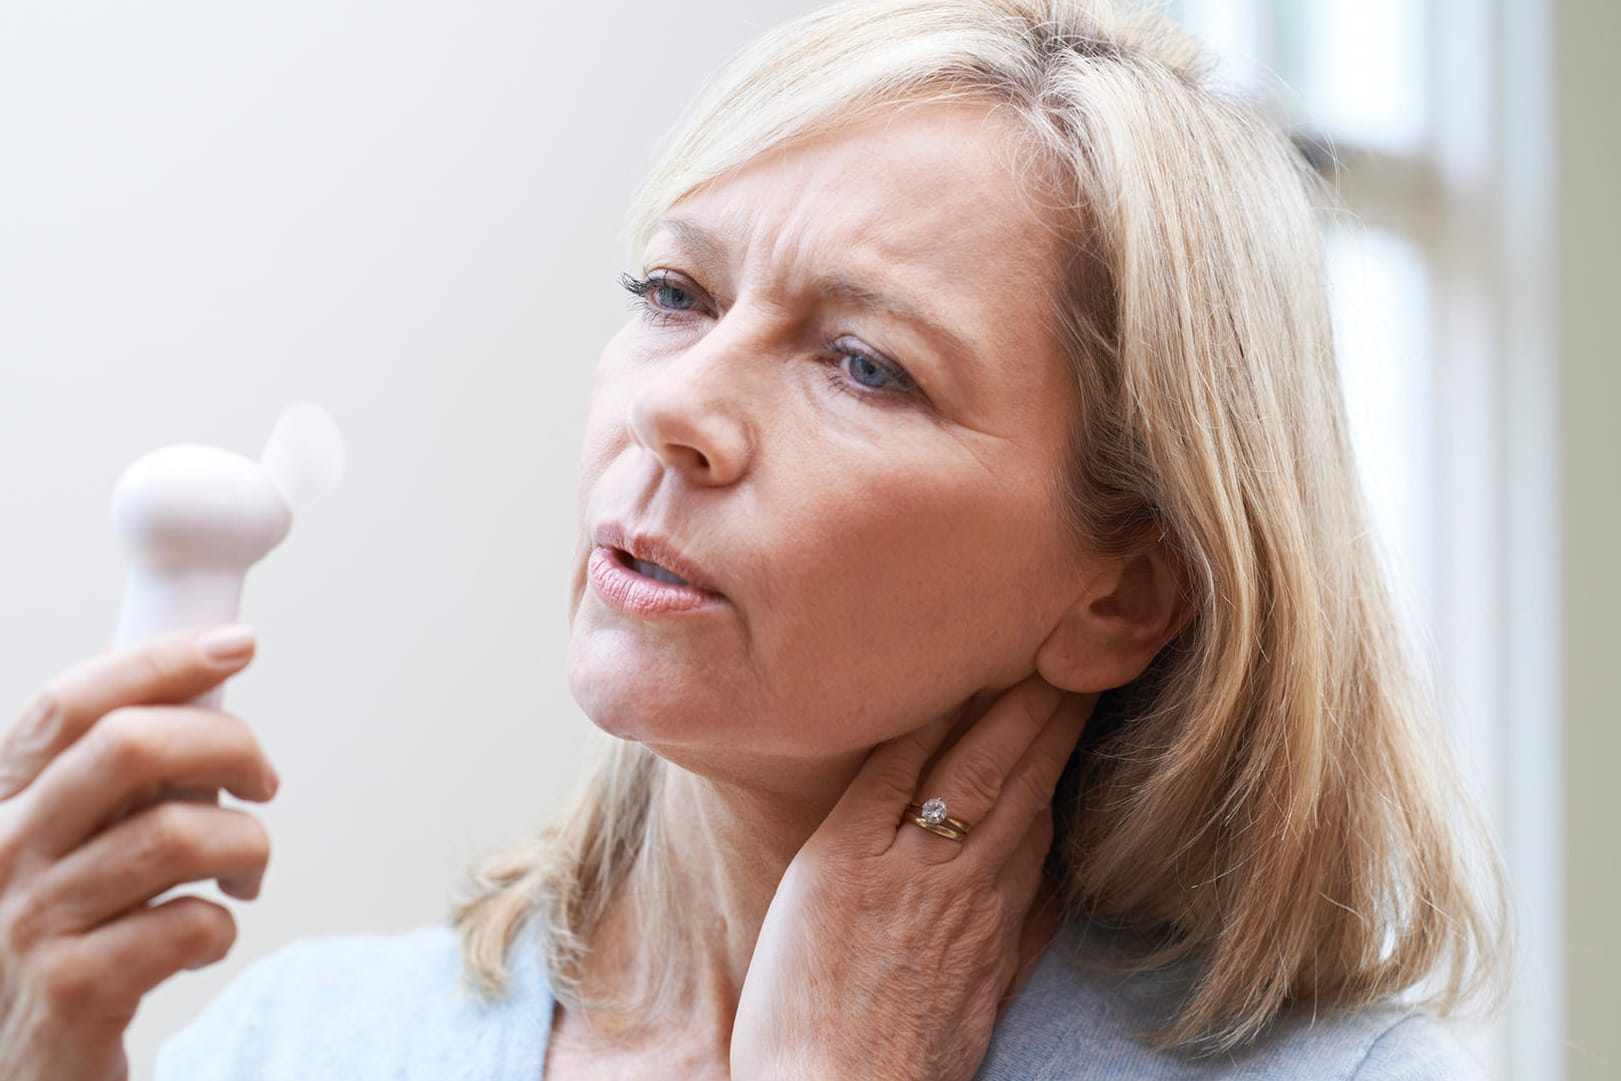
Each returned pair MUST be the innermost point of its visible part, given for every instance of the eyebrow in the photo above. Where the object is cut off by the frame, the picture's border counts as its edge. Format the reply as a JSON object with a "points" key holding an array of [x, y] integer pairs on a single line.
{"points": [[698, 240], [706, 247]]}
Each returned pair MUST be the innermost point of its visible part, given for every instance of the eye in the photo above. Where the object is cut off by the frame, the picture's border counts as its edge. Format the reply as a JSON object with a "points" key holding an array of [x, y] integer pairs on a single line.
{"points": [[867, 372], [879, 379], [672, 296], [659, 297]]}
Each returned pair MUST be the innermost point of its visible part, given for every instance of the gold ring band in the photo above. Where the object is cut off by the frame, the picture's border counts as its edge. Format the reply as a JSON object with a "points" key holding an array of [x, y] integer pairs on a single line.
{"points": [[942, 830], [953, 828]]}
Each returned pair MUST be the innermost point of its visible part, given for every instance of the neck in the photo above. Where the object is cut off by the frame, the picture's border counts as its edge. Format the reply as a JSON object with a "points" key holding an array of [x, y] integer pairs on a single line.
{"points": [[726, 842]]}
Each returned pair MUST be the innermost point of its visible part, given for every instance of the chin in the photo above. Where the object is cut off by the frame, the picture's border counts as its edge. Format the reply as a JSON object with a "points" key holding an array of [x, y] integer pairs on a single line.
{"points": [[646, 706]]}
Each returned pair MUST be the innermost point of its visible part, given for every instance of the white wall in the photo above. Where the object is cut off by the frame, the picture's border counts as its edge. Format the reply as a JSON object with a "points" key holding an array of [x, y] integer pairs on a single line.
{"points": [[410, 213], [1588, 239]]}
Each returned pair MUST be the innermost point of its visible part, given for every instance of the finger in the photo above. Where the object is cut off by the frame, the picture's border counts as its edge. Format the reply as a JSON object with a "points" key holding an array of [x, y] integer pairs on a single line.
{"points": [[244, 887], [169, 668], [867, 811], [1028, 890], [970, 775], [120, 961], [130, 863], [1020, 877], [1032, 782], [131, 756]]}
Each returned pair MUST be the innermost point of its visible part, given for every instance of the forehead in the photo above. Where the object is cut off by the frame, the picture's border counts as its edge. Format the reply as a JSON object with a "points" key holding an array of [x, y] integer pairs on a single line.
{"points": [[921, 205], [915, 184], [911, 166]]}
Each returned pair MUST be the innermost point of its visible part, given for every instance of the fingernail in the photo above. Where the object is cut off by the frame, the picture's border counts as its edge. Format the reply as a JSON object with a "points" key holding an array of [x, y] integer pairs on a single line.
{"points": [[227, 644], [272, 781]]}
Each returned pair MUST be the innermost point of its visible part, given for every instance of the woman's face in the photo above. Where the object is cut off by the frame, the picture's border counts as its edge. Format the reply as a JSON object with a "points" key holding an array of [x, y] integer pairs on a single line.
{"points": [[844, 402]]}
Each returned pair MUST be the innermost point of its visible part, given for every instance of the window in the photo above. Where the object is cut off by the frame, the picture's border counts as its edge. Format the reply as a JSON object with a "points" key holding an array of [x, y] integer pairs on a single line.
{"points": [[1441, 369]]}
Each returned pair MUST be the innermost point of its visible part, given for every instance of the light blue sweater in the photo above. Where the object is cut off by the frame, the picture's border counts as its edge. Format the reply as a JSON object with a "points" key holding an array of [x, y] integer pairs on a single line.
{"points": [[376, 1007]]}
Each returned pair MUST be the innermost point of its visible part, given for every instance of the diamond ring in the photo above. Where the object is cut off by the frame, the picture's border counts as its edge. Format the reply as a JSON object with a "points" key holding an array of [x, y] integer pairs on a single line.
{"points": [[932, 816]]}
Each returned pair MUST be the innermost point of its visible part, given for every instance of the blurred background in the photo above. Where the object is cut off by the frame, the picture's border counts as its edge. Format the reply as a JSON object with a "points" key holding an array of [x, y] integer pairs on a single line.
{"points": [[411, 213]]}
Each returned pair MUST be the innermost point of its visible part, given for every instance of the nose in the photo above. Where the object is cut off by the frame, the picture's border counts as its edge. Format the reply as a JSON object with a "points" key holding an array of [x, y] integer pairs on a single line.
{"points": [[689, 415]]}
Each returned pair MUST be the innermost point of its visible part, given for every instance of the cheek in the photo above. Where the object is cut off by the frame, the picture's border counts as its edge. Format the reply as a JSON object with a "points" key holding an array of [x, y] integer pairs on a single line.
{"points": [[913, 540], [605, 411], [900, 596]]}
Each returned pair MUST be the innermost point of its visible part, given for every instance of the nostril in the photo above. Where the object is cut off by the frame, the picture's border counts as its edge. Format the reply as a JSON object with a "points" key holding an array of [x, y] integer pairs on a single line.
{"points": [[685, 456]]}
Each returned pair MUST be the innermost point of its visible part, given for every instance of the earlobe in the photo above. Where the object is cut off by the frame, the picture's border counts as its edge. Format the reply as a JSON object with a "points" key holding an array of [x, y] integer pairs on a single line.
{"points": [[1116, 625]]}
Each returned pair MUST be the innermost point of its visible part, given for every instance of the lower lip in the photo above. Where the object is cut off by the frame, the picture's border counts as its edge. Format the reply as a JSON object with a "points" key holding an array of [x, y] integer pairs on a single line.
{"points": [[633, 592]]}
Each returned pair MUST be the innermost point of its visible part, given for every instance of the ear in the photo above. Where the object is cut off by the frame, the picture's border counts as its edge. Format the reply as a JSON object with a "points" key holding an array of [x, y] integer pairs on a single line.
{"points": [[1122, 616]]}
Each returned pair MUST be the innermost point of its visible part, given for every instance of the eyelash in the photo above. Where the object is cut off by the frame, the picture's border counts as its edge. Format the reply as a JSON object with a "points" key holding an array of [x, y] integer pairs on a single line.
{"points": [[639, 288]]}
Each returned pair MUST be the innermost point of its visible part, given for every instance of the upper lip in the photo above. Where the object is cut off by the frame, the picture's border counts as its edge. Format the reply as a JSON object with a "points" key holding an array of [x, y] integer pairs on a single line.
{"points": [[652, 548]]}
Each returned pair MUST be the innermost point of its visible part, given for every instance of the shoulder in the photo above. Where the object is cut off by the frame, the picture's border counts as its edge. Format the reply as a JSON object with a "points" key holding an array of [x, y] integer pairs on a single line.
{"points": [[1078, 1021], [360, 1006], [1421, 1048]]}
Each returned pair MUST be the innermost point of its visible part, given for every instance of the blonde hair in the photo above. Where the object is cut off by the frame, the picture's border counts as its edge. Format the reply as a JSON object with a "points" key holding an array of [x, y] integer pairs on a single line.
{"points": [[1281, 757]]}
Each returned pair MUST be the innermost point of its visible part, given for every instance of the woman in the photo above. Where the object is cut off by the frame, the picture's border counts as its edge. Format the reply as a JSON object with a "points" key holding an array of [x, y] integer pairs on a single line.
{"points": [[973, 572]]}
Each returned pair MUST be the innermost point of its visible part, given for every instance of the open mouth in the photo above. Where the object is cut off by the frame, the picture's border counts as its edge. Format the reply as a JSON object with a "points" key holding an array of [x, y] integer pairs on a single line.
{"points": [[651, 570]]}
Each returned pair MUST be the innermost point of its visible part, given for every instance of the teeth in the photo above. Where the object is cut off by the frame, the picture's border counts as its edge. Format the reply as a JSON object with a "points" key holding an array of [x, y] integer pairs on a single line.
{"points": [[653, 570]]}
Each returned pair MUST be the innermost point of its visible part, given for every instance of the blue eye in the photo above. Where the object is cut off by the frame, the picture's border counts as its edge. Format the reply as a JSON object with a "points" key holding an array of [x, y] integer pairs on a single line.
{"points": [[880, 382], [861, 368], [658, 299], [683, 299]]}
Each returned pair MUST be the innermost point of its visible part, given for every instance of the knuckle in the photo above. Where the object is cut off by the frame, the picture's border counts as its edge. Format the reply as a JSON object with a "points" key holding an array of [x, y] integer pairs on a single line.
{"points": [[1032, 787], [19, 919], [206, 930], [978, 777], [166, 834], [66, 981], [31, 739], [125, 741], [894, 777], [44, 717]]}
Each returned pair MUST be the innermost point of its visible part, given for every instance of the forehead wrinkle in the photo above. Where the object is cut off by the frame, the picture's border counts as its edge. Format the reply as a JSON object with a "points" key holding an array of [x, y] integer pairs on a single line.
{"points": [[711, 251], [700, 242]]}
